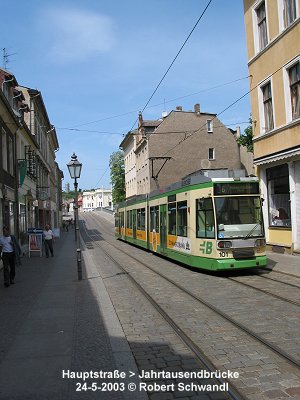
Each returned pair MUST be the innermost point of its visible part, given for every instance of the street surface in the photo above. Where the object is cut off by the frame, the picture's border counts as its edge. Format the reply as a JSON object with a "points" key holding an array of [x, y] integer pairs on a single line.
{"points": [[139, 326]]}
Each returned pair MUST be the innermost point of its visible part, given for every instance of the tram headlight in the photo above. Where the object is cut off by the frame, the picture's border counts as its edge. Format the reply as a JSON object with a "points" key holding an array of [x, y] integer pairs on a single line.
{"points": [[260, 242], [224, 244]]}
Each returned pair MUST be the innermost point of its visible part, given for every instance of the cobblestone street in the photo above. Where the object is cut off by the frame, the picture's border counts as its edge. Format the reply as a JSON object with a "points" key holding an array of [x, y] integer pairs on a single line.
{"points": [[165, 332]]}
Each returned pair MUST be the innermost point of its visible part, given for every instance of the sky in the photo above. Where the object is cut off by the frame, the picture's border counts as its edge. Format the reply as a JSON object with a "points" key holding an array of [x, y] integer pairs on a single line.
{"points": [[98, 62]]}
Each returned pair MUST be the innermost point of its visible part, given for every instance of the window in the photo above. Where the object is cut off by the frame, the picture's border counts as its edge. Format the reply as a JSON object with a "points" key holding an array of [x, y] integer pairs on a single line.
{"points": [[294, 78], [279, 196], [129, 219], [154, 219], [141, 219], [268, 107], [289, 12], [262, 25], [121, 216], [11, 156], [211, 154], [4, 150], [205, 226], [209, 124], [172, 218], [182, 218]]}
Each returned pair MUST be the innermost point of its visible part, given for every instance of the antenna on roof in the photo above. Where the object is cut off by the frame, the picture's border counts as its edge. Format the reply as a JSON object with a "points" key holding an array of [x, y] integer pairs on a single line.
{"points": [[6, 57]]}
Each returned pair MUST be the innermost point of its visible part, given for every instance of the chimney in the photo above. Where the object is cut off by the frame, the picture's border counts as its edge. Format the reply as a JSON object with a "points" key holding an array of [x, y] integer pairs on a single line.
{"points": [[197, 108], [178, 108], [140, 119], [238, 132]]}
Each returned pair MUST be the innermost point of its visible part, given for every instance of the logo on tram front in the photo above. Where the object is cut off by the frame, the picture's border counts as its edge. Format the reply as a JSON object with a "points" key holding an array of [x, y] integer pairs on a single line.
{"points": [[206, 247]]}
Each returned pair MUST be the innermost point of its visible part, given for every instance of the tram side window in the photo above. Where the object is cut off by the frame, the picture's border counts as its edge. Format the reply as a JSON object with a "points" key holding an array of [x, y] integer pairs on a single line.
{"points": [[172, 218], [122, 219], [116, 220], [141, 219], [129, 219], [182, 218], [154, 219], [205, 227]]}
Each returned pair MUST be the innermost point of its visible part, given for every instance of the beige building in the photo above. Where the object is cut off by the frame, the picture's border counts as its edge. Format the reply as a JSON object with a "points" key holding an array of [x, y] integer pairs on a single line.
{"points": [[163, 151], [273, 41]]}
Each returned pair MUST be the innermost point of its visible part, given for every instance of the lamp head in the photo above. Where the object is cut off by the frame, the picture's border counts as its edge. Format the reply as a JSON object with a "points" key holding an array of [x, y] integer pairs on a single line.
{"points": [[74, 167]]}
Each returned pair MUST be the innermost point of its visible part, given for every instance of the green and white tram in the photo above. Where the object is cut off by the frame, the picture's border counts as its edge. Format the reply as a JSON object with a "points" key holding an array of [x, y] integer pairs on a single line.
{"points": [[209, 223]]}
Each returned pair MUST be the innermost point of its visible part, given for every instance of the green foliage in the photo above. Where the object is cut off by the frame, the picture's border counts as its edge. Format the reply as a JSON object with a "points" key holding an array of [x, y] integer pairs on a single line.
{"points": [[68, 196], [246, 139], [117, 176]]}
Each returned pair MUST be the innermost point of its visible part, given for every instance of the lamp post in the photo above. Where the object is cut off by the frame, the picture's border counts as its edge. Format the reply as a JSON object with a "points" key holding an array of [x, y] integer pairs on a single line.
{"points": [[74, 167]]}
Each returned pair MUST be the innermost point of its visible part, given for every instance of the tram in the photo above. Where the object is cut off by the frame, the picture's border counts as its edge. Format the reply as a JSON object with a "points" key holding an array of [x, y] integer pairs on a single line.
{"points": [[208, 223]]}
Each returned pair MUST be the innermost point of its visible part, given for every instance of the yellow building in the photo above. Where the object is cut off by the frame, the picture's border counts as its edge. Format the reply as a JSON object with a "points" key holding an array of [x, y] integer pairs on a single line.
{"points": [[273, 42]]}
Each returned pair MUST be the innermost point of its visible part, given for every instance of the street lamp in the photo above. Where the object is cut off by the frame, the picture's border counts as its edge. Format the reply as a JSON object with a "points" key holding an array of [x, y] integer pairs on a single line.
{"points": [[74, 167]]}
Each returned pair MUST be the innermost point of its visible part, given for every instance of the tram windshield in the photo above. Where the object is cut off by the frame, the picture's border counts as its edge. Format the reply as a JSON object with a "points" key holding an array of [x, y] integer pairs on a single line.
{"points": [[239, 217]]}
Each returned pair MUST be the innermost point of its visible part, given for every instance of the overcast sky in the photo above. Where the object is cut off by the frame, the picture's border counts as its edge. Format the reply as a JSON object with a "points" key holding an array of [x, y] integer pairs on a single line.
{"points": [[97, 62]]}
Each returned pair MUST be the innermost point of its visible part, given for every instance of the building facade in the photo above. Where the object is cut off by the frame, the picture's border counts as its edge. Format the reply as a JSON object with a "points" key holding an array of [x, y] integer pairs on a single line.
{"points": [[30, 179], [96, 199], [180, 143], [272, 34], [46, 204]]}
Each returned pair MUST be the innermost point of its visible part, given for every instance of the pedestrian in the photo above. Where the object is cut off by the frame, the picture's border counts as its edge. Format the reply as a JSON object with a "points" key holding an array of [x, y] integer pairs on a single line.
{"points": [[10, 249], [48, 240]]}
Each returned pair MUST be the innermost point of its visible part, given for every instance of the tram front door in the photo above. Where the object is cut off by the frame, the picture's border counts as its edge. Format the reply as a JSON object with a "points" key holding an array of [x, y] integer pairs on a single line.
{"points": [[163, 227]]}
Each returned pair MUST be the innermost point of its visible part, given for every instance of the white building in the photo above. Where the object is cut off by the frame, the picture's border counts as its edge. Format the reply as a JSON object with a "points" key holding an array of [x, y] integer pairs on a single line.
{"points": [[96, 199]]}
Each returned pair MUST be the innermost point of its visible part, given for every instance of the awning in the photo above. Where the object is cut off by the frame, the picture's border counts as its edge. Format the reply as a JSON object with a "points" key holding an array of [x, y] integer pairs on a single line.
{"points": [[287, 155]]}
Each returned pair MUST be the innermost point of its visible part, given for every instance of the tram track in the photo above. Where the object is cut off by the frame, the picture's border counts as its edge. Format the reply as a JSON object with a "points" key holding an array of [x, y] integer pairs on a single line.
{"points": [[265, 291], [276, 280], [274, 348], [233, 392]]}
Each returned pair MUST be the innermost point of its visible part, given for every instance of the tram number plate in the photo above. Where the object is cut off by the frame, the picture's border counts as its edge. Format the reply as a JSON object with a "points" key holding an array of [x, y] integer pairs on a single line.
{"points": [[223, 253]]}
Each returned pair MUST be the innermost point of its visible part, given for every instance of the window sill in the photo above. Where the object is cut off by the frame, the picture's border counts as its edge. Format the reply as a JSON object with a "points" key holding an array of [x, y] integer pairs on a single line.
{"points": [[287, 228]]}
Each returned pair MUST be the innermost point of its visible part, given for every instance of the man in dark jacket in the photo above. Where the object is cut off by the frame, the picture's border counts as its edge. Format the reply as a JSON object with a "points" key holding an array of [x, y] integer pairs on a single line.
{"points": [[10, 249]]}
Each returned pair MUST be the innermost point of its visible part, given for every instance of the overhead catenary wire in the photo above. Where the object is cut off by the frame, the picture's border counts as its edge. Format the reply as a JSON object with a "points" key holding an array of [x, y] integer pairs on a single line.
{"points": [[149, 107], [221, 112], [163, 103], [173, 61], [152, 133]]}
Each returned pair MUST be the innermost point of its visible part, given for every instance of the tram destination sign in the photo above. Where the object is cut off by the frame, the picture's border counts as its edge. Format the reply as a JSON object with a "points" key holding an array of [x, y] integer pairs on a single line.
{"points": [[230, 188]]}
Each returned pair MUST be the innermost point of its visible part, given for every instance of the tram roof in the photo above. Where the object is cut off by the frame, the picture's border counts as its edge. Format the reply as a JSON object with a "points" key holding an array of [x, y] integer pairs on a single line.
{"points": [[184, 183]]}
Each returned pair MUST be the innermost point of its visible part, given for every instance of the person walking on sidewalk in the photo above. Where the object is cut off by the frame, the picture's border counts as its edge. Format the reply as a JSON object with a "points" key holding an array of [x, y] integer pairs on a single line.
{"points": [[48, 240], [10, 250]]}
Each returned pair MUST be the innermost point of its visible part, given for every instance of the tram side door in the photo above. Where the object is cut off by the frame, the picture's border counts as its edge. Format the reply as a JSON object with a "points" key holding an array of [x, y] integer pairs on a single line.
{"points": [[163, 227], [134, 223]]}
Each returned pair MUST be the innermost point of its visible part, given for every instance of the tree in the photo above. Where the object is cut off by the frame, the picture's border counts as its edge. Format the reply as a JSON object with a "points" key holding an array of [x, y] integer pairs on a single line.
{"points": [[117, 176], [246, 139]]}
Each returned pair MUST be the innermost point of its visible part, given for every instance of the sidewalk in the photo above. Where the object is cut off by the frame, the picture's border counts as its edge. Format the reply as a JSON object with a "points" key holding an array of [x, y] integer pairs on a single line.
{"points": [[289, 264], [52, 322]]}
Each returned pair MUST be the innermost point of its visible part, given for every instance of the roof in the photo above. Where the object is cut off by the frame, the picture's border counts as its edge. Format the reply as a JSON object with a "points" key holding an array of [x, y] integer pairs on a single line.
{"points": [[151, 122]]}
